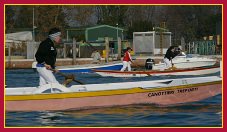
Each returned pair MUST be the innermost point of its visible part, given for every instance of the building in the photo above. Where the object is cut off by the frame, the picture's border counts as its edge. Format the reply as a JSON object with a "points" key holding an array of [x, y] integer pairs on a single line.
{"points": [[151, 43], [98, 32], [93, 38], [95, 33]]}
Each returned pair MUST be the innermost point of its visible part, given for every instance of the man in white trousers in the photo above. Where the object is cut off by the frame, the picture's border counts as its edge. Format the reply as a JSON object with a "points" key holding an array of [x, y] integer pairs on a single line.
{"points": [[170, 54], [127, 60], [46, 57]]}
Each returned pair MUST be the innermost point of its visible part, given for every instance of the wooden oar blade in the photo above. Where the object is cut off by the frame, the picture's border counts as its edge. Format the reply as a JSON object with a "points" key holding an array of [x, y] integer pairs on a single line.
{"points": [[69, 78], [67, 81]]}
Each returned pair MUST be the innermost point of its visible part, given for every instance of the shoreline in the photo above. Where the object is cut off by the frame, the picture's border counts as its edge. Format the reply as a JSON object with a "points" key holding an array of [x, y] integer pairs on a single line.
{"points": [[139, 61]]}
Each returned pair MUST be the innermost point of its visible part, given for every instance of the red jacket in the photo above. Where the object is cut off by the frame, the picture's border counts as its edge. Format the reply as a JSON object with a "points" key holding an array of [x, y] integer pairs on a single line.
{"points": [[127, 57]]}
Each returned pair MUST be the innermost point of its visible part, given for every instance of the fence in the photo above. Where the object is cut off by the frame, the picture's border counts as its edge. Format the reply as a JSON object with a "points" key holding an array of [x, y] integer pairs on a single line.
{"points": [[27, 50], [203, 48]]}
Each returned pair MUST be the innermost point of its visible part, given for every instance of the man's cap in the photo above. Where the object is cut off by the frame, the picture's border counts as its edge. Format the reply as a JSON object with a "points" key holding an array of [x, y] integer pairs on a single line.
{"points": [[54, 32]]}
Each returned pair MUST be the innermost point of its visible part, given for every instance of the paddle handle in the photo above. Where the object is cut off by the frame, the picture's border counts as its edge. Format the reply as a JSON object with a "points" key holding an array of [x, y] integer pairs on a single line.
{"points": [[78, 82], [64, 75], [171, 61]]}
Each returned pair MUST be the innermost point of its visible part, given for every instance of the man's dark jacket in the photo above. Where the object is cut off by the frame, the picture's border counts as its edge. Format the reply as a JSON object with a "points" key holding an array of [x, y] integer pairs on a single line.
{"points": [[46, 53]]}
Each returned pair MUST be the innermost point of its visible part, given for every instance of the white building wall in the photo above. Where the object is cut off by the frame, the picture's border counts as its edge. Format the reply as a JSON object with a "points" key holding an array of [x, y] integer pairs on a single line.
{"points": [[149, 42]]}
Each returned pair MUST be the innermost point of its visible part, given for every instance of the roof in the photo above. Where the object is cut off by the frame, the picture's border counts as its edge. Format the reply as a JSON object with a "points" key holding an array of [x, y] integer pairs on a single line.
{"points": [[94, 27], [19, 36]]}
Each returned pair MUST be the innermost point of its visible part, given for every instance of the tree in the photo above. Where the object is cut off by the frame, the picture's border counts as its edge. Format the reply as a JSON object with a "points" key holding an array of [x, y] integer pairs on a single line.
{"points": [[24, 18], [139, 19], [192, 22], [80, 15], [111, 15], [9, 19], [139, 26], [48, 17]]}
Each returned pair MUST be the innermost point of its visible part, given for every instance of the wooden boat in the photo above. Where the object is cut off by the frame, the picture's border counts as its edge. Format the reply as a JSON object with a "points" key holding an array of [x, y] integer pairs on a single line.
{"points": [[187, 71], [161, 92], [187, 62], [87, 68]]}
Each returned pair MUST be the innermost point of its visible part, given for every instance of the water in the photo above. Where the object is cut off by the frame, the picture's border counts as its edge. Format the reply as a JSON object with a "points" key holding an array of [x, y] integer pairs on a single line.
{"points": [[205, 113]]}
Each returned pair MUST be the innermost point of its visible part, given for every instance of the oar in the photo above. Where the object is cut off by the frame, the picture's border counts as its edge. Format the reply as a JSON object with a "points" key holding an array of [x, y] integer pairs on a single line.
{"points": [[135, 69], [173, 67], [68, 78]]}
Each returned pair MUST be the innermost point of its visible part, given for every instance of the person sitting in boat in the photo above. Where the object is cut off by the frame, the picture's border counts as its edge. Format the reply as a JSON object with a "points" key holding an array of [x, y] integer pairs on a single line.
{"points": [[46, 57], [170, 54], [127, 60], [96, 57]]}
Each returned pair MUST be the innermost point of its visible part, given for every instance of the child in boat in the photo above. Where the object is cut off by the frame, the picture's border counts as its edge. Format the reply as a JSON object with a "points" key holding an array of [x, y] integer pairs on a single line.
{"points": [[127, 60]]}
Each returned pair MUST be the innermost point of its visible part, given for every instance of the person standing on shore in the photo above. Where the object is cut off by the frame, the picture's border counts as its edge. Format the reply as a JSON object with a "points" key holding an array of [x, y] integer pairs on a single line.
{"points": [[127, 60], [46, 57]]}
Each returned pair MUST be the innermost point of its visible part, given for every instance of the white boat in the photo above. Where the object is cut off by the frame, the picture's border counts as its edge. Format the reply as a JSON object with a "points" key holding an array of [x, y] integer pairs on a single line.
{"points": [[187, 62], [162, 92], [185, 71]]}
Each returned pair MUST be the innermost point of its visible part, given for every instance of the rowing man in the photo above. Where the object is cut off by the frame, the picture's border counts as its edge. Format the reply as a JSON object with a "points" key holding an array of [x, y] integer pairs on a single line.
{"points": [[46, 57], [170, 54]]}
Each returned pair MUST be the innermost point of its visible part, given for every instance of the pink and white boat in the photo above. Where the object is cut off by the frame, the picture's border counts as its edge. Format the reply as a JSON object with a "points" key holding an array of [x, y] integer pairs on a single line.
{"points": [[188, 71], [162, 92]]}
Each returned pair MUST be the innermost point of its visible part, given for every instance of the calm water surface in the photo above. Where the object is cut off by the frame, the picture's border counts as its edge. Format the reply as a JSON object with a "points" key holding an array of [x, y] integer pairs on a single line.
{"points": [[205, 113]]}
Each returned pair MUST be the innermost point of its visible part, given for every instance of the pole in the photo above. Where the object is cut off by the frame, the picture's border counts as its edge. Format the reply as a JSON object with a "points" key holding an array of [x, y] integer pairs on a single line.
{"points": [[119, 49], [33, 33], [64, 50], [161, 47], [9, 56], [74, 51], [117, 31], [107, 49], [67, 35], [189, 48], [122, 35], [33, 22]]}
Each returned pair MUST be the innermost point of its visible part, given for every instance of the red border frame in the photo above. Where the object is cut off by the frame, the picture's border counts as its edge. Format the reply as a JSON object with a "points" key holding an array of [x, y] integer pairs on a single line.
{"points": [[204, 2]]}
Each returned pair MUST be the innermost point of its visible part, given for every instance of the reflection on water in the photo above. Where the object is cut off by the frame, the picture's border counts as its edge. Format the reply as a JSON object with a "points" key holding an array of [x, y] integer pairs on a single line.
{"points": [[50, 118], [188, 115], [146, 109]]}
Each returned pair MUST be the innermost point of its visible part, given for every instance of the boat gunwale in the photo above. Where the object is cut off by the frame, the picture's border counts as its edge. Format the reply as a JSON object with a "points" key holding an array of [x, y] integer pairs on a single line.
{"points": [[79, 67], [156, 71], [46, 96]]}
